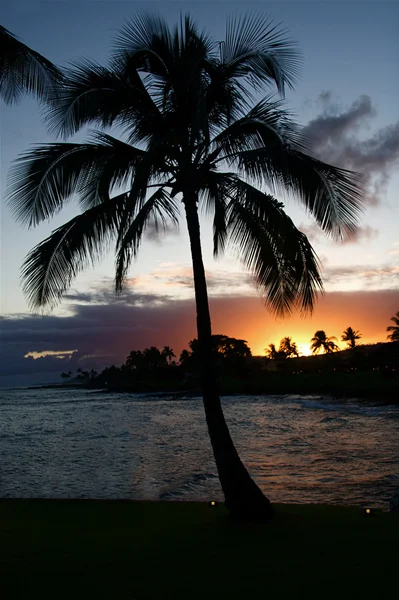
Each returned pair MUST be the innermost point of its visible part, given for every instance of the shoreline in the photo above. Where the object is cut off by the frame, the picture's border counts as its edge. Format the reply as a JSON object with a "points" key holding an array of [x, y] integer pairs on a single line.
{"points": [[359, 396]]}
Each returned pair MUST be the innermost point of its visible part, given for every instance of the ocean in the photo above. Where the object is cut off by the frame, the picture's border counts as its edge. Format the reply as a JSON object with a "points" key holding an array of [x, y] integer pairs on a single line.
{"points": [[84, 444]]}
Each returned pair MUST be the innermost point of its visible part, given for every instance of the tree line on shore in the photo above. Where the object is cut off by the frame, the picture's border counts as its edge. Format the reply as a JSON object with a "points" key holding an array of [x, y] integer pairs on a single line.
{"points": [[233, 356]]}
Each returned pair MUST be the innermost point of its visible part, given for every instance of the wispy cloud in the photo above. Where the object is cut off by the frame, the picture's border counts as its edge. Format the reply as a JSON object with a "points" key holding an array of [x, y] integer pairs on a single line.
{"points": [[358, 236], [177, 280], [383, 277], [336, 135]]}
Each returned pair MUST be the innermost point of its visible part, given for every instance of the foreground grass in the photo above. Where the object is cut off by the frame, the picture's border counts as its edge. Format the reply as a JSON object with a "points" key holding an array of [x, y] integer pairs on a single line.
{"points": [[112, 549]]}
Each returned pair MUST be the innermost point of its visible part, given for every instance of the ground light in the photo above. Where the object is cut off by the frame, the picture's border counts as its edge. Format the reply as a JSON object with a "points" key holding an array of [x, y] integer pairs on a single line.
{"points": [[368, 512], [212, 503]]}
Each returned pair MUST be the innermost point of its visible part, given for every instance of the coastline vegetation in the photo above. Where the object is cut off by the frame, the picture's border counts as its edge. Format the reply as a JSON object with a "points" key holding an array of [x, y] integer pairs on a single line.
{"points": [[369, 372]]}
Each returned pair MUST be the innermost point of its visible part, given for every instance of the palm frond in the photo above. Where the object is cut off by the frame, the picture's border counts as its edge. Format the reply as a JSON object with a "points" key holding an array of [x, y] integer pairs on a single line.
{"points": [[214, 197], [91, 93], [268, 147], [226, 99], [158, 209], [24, 70], [44, 178], [277, 253], [331, 194], [50, 267], [260, 51], [394, 336], [148, 35]]}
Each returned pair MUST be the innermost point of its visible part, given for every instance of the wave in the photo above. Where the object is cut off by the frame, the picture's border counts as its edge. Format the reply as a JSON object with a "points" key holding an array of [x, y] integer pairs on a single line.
{"points": [[183, 487]]}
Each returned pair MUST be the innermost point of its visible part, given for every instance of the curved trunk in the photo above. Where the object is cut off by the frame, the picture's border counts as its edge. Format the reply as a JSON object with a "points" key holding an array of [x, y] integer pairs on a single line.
{"points": [[243, 497]]}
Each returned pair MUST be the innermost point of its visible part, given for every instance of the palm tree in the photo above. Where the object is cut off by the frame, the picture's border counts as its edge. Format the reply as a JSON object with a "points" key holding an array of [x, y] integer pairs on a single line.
{"points": [[288, 347], [394, 336], [350, 336], [22, 70], [271, 352], [134, 360], [191, 134], [321, 341], [168, 353], [184, 356], [153, 358]]}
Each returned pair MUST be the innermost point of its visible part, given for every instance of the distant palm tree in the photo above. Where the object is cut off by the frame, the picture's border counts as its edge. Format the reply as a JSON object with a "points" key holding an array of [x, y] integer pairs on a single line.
{"points": [[153, 358], [135, 360], [272, 352], [191, 133], [168, 353], [394, 336], [321, 342], [288, 347], [350, 336], [184, 356], [22, 70]]}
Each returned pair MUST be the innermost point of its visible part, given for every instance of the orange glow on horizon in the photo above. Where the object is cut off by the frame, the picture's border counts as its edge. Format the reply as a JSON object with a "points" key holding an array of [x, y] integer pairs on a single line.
{"points": [[247, 318]]}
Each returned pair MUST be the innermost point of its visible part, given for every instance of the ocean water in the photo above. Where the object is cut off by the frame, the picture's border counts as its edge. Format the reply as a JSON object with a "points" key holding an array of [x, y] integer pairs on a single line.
{"points": [[81, 444]]}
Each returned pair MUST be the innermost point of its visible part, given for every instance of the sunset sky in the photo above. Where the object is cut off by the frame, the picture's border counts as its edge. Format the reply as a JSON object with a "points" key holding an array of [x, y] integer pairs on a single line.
{"points": [[347, 100]]}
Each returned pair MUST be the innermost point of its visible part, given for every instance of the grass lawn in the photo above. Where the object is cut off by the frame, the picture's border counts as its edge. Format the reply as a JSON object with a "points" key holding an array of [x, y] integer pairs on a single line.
{"points": [[114, 549]]}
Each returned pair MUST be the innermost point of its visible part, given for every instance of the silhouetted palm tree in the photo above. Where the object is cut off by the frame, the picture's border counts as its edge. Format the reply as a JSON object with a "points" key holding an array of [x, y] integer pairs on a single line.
{"points": [[272, 353], [168, 353], [350, 336], [321, 342], [288, 347], [190, 133], [184, 356], [134, 360], [22, 70], [394, 336]]}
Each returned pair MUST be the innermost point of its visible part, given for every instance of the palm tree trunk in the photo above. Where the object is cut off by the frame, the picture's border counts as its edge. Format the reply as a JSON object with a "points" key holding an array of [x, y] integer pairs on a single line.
{"points": [[243, 497]]}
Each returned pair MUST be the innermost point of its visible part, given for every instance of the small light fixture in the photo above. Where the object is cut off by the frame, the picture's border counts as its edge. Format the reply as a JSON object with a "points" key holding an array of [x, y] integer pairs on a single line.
{"points": [[368, 512], [212, 503]]}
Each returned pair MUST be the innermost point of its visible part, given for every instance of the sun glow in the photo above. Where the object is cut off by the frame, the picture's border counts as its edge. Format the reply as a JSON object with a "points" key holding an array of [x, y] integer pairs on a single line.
{"points": [[304, 349]]}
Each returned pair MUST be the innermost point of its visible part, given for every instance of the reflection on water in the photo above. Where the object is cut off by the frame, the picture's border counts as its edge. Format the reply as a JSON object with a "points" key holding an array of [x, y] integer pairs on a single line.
{"points": [[80, 444]]}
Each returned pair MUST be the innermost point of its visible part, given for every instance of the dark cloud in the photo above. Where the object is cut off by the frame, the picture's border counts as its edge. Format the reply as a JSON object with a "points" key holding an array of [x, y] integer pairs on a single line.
{"points": [[157, 234], [102, 327], [359, 235], [336, 136], [332, 124], [104, 294]]}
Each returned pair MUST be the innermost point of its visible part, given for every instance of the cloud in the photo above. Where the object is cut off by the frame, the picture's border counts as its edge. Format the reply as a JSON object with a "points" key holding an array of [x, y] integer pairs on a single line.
{"points": [[335, 137], [334, 123], [106, 330], [157, 234], [177, 280], [359, 235], [381, 276]]}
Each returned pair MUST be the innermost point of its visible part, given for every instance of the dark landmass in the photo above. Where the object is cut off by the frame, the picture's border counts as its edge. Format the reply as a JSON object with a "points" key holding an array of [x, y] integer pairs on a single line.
{"points": [[371, 387], [369, 373]]}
